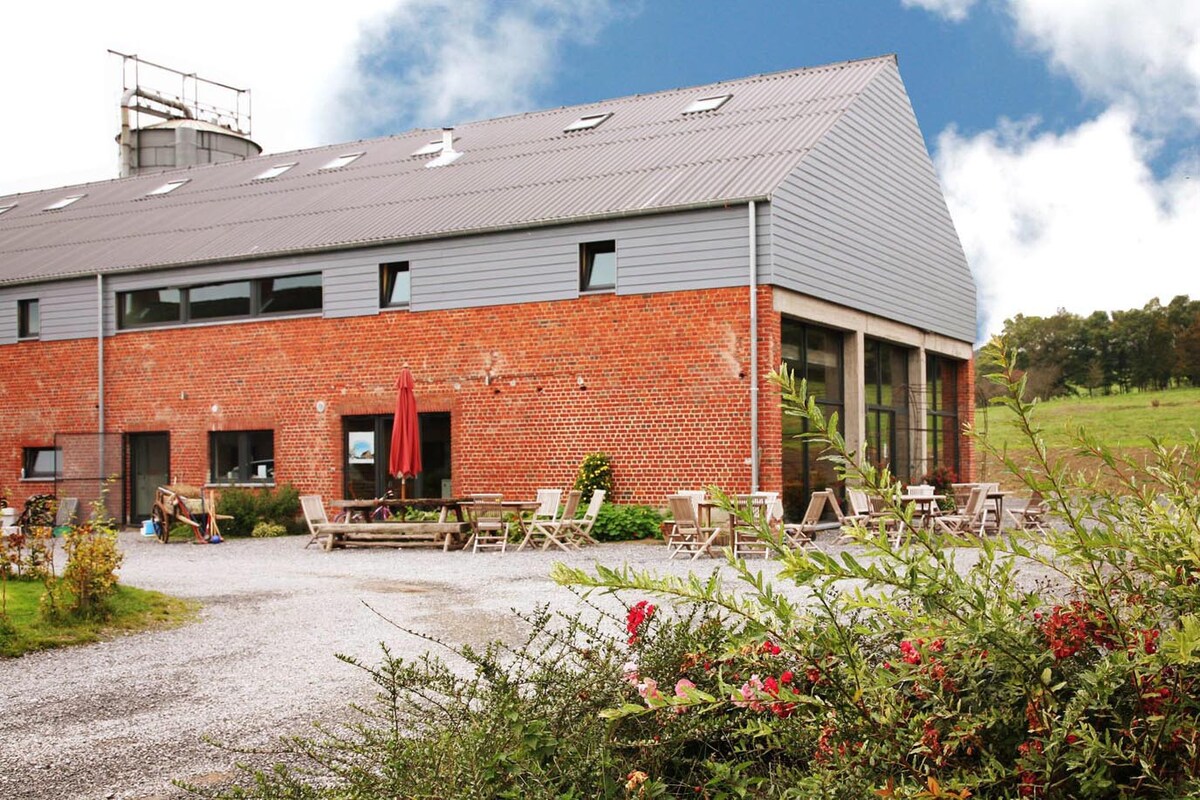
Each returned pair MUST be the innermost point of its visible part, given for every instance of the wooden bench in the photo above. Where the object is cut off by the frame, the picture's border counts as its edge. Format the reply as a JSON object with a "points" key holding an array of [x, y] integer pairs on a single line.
{"points": [[393, 534]]}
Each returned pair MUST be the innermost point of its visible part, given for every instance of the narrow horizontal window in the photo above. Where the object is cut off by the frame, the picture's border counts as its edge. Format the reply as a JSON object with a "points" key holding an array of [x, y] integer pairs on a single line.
{"points": [[707, 104], [63, 203], [395, 285], [274, 172], [29, 319], [219, 300], [291, 294], [585, 123], [597, 265], [167, 187], [42, 463], [341, 161], [149, 307]]}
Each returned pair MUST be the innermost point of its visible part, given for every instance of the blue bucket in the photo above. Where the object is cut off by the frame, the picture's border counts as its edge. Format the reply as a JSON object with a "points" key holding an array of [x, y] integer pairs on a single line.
{"points": [[148, 528]]}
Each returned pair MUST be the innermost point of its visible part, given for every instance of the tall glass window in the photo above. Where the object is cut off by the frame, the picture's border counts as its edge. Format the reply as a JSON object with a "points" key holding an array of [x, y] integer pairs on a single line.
{"points": [[885, 387], [242, 457], [814, 354], [942, 426]]}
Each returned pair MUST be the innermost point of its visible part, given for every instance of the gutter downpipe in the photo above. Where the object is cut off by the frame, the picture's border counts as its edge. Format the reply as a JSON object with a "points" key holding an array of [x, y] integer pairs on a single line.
{"points": [[100, 365], [753, 282]]}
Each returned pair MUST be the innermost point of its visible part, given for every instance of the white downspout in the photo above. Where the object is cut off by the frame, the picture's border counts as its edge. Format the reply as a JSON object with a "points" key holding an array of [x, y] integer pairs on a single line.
{"points": [[753, 350]]}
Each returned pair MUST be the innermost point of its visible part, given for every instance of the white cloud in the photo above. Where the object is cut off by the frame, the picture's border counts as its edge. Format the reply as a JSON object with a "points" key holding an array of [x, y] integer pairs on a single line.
{"points": [[438, 62], [1076, 221], [67, 98], [1142, 53], [954, 10]]}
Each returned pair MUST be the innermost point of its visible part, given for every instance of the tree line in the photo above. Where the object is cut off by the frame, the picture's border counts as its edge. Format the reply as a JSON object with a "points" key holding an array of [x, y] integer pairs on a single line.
{"points": [[1153, 347]]}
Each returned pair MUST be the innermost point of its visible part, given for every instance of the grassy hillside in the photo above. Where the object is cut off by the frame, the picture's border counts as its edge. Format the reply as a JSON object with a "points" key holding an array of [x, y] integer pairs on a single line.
{"points": [[1120, 421]]}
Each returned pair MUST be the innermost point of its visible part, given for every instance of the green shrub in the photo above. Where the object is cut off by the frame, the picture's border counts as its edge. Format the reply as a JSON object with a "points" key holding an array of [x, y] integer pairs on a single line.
{"points": [[268, 530], [897, 670], [248, 507], [594, 473], [616, 523], [90, 575]]}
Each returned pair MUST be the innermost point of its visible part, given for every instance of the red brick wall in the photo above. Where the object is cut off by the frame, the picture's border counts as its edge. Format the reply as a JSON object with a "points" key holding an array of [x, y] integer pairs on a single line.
{"points": [[966, 416], [659, 382]]}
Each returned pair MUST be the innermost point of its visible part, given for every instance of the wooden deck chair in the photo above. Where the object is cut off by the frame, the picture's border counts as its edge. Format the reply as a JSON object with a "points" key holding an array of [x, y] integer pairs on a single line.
{"points": [[971, 520], [557, 532], [692, 538], [489, 530], [314, 517], [580, 530], [1033, 516], [547, 512], [747, 536], [697, 496], [804, 533]]}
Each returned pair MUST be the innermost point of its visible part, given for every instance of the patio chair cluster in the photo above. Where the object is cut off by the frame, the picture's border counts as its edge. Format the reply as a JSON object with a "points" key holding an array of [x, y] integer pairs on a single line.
{"points": [[692, 532], [484, 521]]}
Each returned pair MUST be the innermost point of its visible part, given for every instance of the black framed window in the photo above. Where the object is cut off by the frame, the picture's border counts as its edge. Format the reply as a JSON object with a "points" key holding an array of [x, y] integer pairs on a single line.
{"points": [[815, 355], [29, 319], [395, 285], [216, 301], [42, 463], [942, 426], [241, 457], [885, 388], [597, 265]]}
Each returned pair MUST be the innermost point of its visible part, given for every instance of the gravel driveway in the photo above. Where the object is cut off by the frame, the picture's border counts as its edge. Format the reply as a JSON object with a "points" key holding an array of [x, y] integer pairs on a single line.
{"points": [[121, 719]]}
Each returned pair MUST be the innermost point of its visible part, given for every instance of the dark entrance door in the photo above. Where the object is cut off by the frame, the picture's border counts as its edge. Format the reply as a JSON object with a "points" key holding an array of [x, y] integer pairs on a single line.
{"points": [[367, 441], [149, 468]]}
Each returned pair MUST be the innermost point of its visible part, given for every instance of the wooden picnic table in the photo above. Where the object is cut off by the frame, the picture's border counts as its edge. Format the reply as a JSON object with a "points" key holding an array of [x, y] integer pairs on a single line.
{"points": [[390, 533], [402, 505]]}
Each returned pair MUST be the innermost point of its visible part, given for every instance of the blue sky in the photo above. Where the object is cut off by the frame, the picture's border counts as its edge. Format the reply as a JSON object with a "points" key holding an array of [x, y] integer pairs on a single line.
{"points": [[1066, 133]]}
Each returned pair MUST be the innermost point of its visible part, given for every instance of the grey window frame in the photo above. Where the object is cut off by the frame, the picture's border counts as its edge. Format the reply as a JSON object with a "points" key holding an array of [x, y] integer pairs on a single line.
{"points": [[185, 311], [244, 460], [24, 330], [587, 259], [387, 282], [29, 459]]}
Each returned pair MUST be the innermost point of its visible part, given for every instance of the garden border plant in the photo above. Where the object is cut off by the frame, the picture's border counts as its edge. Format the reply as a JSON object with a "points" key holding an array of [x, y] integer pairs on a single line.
{"points": [[905, 670]]}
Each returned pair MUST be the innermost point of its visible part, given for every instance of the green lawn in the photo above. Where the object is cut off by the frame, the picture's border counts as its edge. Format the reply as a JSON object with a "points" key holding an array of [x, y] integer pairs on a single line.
{"points": [[1124, 422], [130, 610]]}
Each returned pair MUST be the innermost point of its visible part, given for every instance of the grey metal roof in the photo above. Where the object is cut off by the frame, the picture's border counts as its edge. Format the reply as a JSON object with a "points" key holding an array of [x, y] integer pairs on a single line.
{"points": [[515, 171]]}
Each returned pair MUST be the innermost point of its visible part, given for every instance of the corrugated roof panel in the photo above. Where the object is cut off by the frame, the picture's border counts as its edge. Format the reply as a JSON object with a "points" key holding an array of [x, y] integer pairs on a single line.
{"points": [[517, 170]]}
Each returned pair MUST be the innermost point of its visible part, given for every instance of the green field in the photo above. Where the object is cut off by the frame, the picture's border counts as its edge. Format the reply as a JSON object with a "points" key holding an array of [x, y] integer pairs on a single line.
{"points": [[130, 610], [1124, 422]]}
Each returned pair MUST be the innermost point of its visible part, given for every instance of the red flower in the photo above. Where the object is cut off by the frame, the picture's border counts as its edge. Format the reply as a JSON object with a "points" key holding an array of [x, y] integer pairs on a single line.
{"points": [[786, 676], [770, 648], [639, 615]]}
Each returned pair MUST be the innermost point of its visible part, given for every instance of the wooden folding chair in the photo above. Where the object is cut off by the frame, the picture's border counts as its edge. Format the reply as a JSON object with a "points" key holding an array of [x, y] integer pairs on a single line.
{"points": [[971, 521], [314, 516], [690, 536], [558, 531], [804, 533], [697, 497], [1033, 516], [546, 513], [747, 534], [489, 531], [580, 530]]}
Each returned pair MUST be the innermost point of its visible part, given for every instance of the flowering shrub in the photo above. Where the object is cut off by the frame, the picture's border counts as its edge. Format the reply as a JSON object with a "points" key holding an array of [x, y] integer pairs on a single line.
{"points": [[90, 575], [909, 670], [594, 473]]}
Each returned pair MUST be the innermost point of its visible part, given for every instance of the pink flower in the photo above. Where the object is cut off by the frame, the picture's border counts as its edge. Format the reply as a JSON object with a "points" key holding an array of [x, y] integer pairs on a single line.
{"points": [[630, 670], [648, 689], [747, 696]]}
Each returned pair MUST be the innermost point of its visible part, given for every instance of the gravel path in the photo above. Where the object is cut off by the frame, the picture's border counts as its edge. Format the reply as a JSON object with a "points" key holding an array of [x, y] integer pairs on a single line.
{"points": [[122, 718]]}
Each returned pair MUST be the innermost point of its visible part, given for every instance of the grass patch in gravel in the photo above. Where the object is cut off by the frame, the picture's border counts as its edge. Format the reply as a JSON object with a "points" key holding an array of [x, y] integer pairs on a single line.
{"points": [[130, 610]]}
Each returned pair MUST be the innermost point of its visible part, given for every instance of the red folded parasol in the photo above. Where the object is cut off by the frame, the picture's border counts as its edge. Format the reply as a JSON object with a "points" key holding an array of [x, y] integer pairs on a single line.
{"points": [[405, 457]]}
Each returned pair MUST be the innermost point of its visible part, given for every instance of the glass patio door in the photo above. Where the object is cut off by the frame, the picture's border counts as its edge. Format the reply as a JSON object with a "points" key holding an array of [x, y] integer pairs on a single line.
{"points": [[366, 444]]}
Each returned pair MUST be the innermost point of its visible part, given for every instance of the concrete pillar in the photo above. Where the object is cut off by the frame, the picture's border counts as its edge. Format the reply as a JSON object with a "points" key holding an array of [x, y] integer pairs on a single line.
{"points": [[855, 415], [918, 405]]}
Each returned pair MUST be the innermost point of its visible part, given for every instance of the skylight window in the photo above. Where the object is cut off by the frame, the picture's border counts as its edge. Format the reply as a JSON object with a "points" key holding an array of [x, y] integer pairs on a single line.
{"points": [[585, 123], [429, 149], [342, 160], [706, 104], [274, 172], [167, 187], [8, 207], [66, 201]]}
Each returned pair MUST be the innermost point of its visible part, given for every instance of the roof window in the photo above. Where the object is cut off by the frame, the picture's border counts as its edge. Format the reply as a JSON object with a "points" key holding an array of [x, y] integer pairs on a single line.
{"points": [[341, 161], [586, 123], [706, 104], [8, 207], [429, 149], [167, 187], [66, 201], [274, 172]]}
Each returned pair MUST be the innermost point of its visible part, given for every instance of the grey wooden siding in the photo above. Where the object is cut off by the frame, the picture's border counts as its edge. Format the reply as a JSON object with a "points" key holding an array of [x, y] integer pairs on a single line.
{"points": [[862, 221], [698, 249], [67, 309]]}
